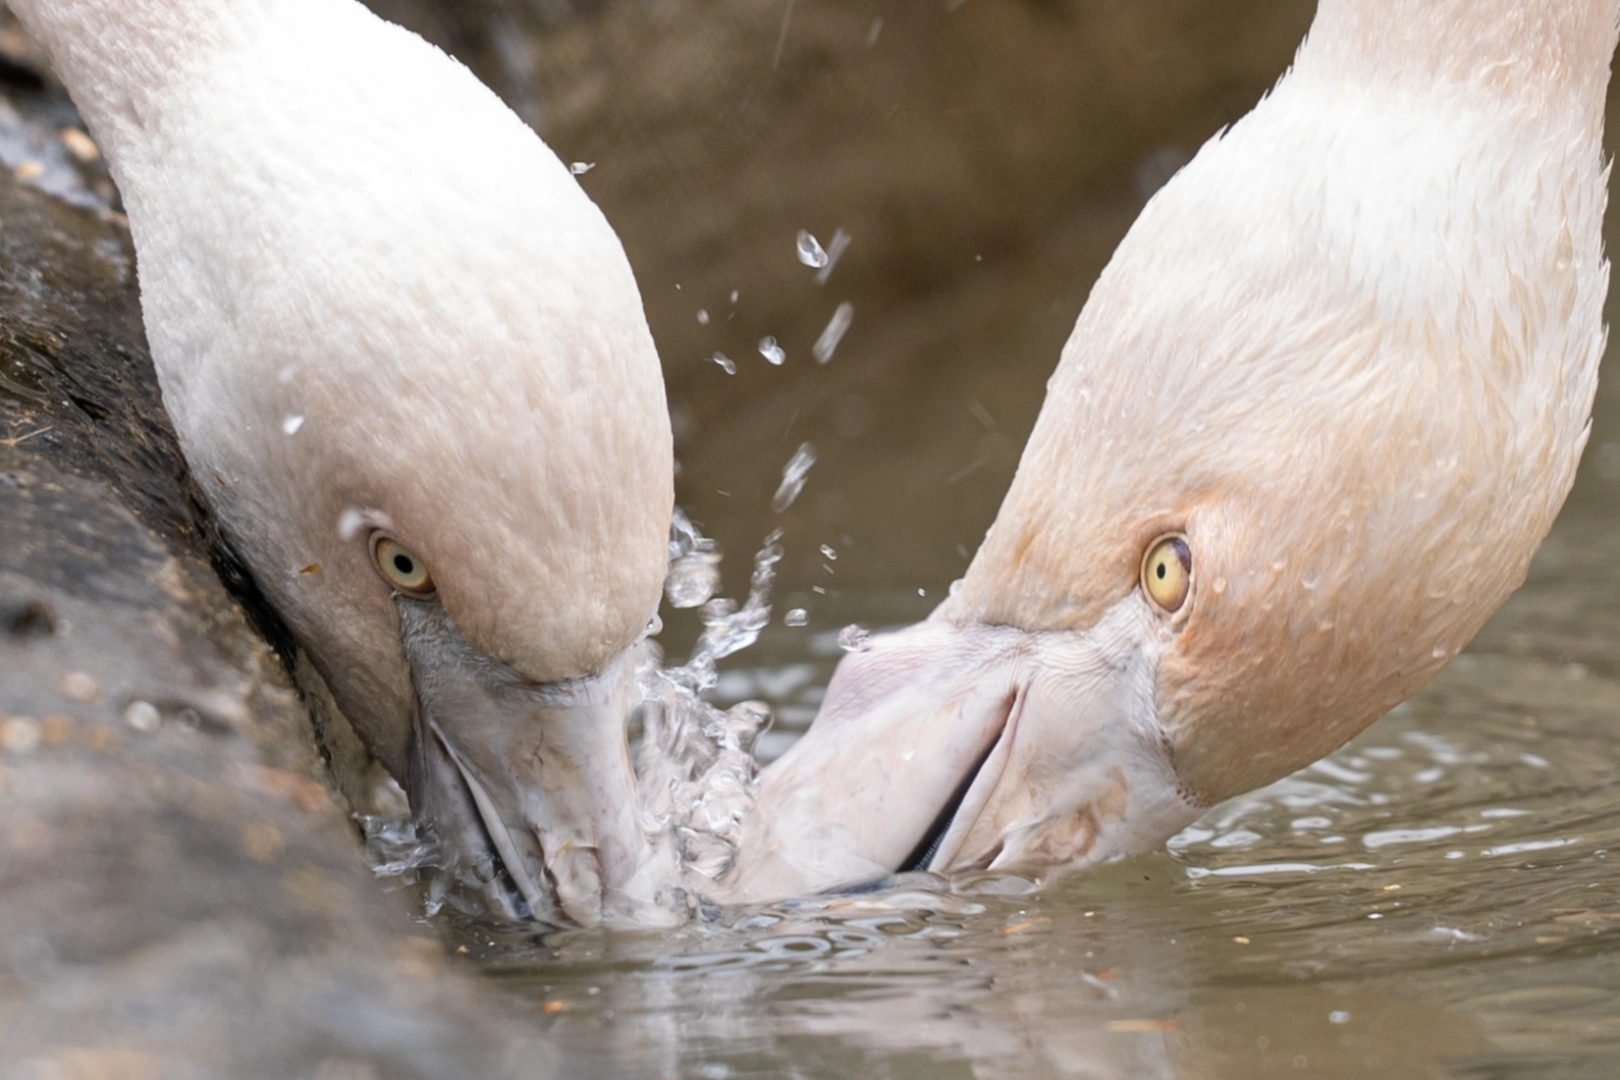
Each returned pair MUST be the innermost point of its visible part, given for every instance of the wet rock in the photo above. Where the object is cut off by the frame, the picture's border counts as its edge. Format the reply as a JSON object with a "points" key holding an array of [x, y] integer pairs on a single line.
{"points": [[180, 893]]}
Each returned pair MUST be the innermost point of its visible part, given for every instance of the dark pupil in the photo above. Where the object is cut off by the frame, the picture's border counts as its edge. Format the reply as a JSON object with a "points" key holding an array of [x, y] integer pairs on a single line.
{"points": [[1161, 571], [403, 564]]}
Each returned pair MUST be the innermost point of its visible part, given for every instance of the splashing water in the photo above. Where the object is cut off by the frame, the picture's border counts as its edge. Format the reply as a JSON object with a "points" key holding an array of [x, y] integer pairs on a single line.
{"points": [[794, 474], [694, 564], [854, 638], [811, 252], [835, 251], [696, 770], [837, 327], [771, 351], [696, 766]]}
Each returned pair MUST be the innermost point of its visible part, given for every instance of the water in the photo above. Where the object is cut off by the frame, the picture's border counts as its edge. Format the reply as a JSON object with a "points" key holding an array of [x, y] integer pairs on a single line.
{"points": [[833, 335], [794, 475], [811, 252], [1436, 899]]}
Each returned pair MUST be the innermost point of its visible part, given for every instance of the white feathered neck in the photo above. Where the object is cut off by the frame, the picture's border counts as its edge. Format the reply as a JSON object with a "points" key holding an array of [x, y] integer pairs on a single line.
{"points": [[369, 288], [1350, 350]]}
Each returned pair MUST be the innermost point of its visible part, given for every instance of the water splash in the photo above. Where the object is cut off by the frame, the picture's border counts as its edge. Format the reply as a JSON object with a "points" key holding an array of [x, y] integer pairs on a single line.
{"points": [[794, 474], [694, 564], [835, 251], [837, 327], [696, 766], [696, 769], [811, 253], [854, 638]]}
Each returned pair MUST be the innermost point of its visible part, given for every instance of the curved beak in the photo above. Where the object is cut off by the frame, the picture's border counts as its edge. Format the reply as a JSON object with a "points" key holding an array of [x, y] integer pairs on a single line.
{"points": [[949, 747], [527, 786]]}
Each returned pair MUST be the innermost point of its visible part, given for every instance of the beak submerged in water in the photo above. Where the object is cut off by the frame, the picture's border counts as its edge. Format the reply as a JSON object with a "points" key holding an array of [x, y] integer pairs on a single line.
{"points": [[528, 786], [950, 747]]}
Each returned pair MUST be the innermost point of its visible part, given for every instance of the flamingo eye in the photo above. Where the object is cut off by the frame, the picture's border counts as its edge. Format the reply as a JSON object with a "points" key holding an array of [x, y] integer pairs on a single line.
{"points": [[1167, 572], [401, 567]]}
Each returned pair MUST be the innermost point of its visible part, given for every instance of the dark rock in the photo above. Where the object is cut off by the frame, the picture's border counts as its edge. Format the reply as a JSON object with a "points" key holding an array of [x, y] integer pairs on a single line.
{"points": [[180, 893]]}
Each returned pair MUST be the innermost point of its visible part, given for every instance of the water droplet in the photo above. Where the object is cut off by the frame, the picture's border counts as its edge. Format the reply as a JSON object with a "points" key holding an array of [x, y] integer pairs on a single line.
{"points": [[811, 253], [922, 592], [726, 363], [837, 327], [580, 168], [835, 251], [796, 617], [734, 295], [291, 424], [143, 716], [828, 553], [793, 477], [1338, 1016], [692, 580], [770, 350], [854, 638], [703, 316]]}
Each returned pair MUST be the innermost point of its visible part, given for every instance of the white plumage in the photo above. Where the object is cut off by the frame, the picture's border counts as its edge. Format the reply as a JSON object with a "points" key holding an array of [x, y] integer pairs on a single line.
{"points": [[379, 305]]}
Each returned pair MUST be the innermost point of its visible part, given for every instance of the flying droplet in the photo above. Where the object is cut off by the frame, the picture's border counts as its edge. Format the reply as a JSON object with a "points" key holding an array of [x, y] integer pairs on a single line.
{"points": [[854, 638], [726, 363], [693, 579], [770, 350], [580, 168], [796, 617], [835, 251], [811, 253], [703, 316], [291, 424], [837, 327], [143, 716], [793, 477], [829, 553], [734, 295]]}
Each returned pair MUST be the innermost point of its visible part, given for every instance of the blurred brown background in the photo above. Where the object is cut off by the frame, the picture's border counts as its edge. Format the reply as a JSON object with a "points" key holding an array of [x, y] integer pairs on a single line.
{"points": [[984, 157]]}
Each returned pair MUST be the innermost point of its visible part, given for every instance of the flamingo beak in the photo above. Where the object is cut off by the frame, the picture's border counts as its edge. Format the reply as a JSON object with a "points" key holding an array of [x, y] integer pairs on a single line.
{"points": [[949, 748], [528, 786]]}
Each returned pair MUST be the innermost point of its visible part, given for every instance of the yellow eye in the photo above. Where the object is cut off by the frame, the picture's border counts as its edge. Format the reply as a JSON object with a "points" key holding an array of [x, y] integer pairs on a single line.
{"points": [[1167, 572], [401, 567]]}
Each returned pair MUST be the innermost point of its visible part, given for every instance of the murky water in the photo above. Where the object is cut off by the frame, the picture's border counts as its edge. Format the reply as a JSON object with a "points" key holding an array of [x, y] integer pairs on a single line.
{"points": [[1439, 898]]}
